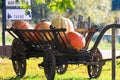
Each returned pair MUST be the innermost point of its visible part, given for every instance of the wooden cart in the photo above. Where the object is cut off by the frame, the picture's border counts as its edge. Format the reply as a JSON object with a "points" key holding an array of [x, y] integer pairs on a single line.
{"points": [[55, 57]]}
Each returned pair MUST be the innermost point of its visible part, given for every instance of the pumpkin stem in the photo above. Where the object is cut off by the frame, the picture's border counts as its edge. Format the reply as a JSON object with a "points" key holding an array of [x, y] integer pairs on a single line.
{"points": [[59, 16]]}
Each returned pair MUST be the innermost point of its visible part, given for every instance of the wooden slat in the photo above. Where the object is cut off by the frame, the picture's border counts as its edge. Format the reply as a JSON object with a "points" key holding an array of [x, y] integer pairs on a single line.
{"points": [[81, 30]]}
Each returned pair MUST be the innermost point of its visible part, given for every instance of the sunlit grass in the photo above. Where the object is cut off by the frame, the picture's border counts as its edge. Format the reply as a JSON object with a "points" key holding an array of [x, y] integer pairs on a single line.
{"points": [[8, 39], [74, 72], [105, 45]]}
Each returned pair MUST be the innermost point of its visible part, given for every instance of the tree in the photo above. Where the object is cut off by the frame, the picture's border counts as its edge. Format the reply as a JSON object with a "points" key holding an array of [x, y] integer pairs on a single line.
{"points": [[41, 8], [39, 12], [55, 5], [98, 10]]}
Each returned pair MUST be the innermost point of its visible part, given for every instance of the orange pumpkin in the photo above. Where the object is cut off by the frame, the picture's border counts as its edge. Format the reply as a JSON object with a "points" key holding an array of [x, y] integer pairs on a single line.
{"points": [[77, 40], [19, 24], [45, 25]]}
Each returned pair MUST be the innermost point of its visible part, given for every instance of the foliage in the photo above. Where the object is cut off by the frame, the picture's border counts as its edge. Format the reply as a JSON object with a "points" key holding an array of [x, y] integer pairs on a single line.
{"points": [[41, 8], [39, 12], [98, 10], [24, 4], [61, 5], [54, 5]]}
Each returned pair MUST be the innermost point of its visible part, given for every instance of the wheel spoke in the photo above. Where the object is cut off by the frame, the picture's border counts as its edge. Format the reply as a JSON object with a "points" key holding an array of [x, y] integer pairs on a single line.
{"points": [[62, 68], [95, 70], [18, 60], [50, 64]]}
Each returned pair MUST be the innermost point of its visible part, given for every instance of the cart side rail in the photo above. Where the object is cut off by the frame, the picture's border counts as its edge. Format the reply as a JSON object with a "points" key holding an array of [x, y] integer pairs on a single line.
{"points": [[41, 39]]}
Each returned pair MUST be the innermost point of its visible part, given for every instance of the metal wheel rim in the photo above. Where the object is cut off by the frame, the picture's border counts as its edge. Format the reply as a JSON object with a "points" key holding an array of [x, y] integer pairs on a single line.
{"points": [[18, 60], [50, 65], [95, 70], [62, 68], [19, 67]]}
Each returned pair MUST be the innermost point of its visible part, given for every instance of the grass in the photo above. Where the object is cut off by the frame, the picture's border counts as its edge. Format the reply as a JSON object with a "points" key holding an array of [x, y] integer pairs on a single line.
{"points": [[105, 45], [8, 39], [74, 72]]}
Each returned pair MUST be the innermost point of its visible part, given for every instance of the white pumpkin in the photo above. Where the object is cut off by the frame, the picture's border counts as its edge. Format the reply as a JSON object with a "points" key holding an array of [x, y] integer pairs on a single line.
{"points": [[62, 22]]}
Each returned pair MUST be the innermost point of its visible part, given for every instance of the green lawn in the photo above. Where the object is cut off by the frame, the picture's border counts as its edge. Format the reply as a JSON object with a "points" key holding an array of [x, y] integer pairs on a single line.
{"points": [[74, 72], [105, 45], [8, 39]]}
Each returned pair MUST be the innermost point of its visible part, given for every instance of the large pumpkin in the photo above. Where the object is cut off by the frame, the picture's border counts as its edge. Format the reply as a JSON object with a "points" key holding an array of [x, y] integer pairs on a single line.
{"points": [[62, 22], [19, 24], [76, 39], [45, 25]]}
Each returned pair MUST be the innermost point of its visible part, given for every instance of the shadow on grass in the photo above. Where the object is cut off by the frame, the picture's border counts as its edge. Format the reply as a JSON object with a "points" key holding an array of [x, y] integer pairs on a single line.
{"points": [[32, 77], [13, 78], [36, 77], [76, 79], [24, 78]]}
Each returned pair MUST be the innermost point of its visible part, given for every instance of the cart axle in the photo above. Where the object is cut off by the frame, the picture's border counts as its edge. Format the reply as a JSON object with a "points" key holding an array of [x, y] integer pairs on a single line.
{"points": [[87, 63]]}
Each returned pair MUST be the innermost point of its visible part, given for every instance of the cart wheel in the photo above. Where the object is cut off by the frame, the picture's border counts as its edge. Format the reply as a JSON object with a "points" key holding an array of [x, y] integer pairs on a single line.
{"points": [[18, 60], [49, 65], [95, 70], [62, 68]]}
